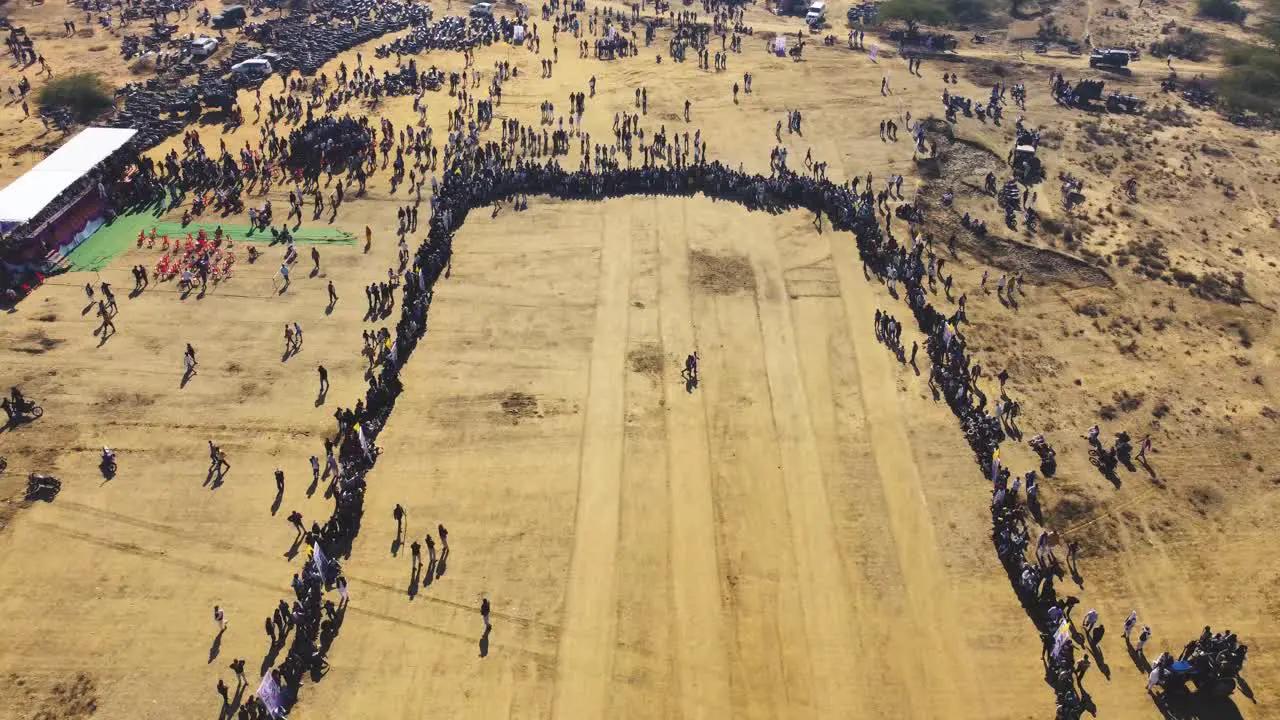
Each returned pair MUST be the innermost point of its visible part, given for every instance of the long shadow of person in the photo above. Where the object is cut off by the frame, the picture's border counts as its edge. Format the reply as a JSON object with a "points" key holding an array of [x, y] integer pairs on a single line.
{"points": [[430, 575], [484, 641], [275, 504], [1245, 689], [293, 550], [237, 699], [1098, 660], [1151, 471], [216, 647], [1138, 658]]}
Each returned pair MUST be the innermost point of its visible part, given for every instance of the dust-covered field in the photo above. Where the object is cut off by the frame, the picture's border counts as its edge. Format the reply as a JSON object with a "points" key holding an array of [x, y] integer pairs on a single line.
{"points": [[803, 534]]}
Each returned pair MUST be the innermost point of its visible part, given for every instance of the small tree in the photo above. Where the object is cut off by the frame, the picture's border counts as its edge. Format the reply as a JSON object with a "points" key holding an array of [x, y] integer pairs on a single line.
{"points": [[83, 95], [1225, 10], [937, 12], [1252, 80], [929, 12]]}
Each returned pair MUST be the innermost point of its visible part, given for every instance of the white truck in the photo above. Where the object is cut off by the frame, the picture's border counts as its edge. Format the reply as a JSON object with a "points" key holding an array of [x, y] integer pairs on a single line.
{"points": [[817, 13]]}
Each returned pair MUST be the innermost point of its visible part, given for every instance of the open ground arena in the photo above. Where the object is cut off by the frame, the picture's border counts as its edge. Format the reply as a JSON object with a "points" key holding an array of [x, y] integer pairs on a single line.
{"points": [[800, 531]]}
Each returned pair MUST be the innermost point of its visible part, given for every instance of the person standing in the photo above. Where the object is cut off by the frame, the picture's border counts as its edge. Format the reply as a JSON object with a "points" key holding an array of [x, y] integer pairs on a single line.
{"points": [[1081, 668], [189, 361], [1143, 448], [1143, 637], [105, 314], [484, 613], [220, 618], [1090, 620], [324, 380], [279, 481], [111, 298], [1129, 623]]}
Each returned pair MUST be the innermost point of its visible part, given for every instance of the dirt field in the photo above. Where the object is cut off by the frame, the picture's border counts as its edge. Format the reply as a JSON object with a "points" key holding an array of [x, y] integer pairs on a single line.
{"points": [[803, 535]]}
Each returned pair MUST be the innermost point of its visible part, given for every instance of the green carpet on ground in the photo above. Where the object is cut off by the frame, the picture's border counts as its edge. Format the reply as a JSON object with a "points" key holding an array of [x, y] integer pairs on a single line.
{"points": [[96, 253]]}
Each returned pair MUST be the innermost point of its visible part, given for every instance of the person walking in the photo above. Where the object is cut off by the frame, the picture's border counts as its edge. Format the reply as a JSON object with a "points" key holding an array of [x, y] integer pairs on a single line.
{"points": [[237, 667], [111, 298], [217, 460], [220, 618], [333, 294], [1143, 448], [1129, 623], [105, 314], [484, 613], [1143, 637], [1090, 620], [189, 362], [1082, 666]]}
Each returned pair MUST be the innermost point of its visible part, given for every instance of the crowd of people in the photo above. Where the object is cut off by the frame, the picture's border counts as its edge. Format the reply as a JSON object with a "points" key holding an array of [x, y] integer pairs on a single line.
{"points": [[524, 162]]}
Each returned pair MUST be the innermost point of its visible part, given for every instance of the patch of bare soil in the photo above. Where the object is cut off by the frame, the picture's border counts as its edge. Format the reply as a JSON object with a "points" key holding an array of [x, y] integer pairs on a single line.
{"points": [[520, 406], [646, 359], [36, 342], [961, 166], [722, 275], [68, 700]]}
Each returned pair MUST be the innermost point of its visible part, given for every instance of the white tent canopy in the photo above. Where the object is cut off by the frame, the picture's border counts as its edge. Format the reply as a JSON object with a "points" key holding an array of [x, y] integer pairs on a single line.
{"points": [[28, 195]]}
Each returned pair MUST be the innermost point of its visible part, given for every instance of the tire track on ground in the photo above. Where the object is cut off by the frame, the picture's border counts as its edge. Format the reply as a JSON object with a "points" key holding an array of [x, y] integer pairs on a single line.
{"points": [[588, 637], [824, 591], [702, 665], [936, 624]]}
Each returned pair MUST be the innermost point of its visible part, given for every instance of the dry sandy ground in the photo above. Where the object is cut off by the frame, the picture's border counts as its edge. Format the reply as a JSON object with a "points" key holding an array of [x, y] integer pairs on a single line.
{"points": [[802, 536]]}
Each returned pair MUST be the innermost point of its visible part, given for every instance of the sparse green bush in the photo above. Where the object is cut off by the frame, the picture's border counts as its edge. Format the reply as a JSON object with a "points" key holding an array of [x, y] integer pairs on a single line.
{"points": [[1186, 44], [938, 12], [1225, 10], [1252, 79], [83, 94]]}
